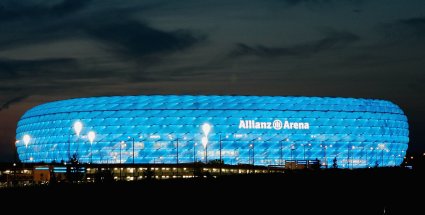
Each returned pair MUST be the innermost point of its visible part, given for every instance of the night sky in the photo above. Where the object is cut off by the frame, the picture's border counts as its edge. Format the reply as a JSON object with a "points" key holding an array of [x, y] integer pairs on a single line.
{"points": [[52, 50]]}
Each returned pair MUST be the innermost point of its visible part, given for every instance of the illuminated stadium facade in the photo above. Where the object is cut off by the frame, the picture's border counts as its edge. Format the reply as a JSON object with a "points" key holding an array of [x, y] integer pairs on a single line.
{"points": [[260, 130]]}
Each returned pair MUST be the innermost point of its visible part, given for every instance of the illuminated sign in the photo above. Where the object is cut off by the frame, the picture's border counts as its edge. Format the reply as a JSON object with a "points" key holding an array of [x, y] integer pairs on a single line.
{"points": [[276, 124]]}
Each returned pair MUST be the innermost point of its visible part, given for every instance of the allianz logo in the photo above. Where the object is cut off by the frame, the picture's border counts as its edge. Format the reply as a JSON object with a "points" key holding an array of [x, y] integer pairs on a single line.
{"points": [[276, 124]]}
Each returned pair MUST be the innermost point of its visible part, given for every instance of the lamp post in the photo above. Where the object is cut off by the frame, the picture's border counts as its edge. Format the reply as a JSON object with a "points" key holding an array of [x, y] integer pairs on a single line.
{"points": [[281, 150], [324, 153], [177, 157], [221, 162], [367, 163], [281, 153], [382, 147], [27, 139], [348, 156], [177, 152], [91, 135], [220, 151], [292, 158], [78, 127], [132, 145], [194, 152], [382, 157], [252, 149], [206, 128], [194, 158], [313, 139], [205, 144], [121, 144], [235, 155], [251, 160], [309, 149], [352, 157], [400, 158]]}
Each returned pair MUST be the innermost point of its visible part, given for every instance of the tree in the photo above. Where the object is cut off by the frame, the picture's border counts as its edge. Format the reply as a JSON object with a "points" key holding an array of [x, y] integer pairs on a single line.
{"points": [[376, 164], [335, 163], [216, 161], [74, 170]]}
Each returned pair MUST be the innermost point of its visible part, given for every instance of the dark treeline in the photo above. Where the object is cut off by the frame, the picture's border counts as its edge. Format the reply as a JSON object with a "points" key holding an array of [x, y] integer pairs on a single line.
{"points": [[362, 191]]}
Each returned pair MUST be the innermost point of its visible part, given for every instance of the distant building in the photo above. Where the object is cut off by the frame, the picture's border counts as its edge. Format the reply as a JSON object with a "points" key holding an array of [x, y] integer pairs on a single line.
{"points": [[260, 130], [41, 174]]}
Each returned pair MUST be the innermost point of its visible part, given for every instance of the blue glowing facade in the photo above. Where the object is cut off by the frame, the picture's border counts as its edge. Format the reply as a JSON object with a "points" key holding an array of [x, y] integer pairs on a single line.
{"points": [[265, 130]]}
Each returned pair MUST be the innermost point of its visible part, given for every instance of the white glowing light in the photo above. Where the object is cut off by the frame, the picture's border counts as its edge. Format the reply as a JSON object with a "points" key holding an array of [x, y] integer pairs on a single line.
{"points": [[78, 126], [91, 135], [206, 128], [27, 139]]}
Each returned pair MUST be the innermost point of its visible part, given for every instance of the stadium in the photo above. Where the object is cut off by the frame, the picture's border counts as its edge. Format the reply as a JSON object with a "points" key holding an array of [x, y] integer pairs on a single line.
{"points": [[178, 129]]}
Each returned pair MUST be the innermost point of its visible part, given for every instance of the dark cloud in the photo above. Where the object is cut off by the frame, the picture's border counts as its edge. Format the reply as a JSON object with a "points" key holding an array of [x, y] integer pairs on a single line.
{"points": [[261, 51], [68, 6], [334, 40], [131, 44], [414, 22], [415, 25], [18, 69], [407, 30], [21, 78], [115, 28], [295, 2], [31, 22], [7, 103], [14, 10], [137, 39], [318, 2]]}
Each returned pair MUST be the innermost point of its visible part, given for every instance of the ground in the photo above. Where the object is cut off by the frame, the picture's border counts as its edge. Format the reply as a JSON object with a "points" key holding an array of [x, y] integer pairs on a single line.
{"points": [[370, 191]]}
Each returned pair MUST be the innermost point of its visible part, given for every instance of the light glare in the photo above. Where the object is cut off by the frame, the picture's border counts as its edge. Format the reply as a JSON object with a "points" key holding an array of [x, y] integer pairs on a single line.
{"points": [[27, 139], [78, 126], [206, 128], [91, 135]]}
